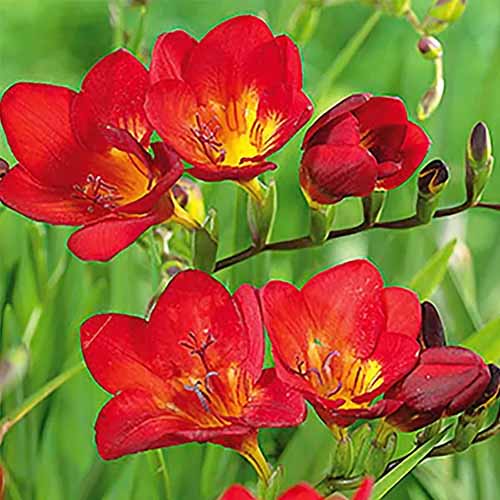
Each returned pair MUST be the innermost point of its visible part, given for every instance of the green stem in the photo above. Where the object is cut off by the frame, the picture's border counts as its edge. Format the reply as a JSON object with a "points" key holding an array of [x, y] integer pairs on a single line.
{"points": [[162, 467], [348, 52], [117, 22], [43, 393]]}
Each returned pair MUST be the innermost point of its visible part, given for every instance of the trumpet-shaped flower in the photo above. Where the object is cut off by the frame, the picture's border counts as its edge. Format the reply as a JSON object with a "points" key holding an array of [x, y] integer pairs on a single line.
{"points": [[83, 157], [229, 101], [343, 339], [192, 372]]}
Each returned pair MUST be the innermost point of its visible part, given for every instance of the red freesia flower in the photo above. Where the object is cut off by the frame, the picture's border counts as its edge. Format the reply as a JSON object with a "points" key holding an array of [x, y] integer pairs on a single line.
{"points": [[343, 340], [229, 101], [192, 372], [446, 381], [361, 144], [83, 157], [300, 492]]}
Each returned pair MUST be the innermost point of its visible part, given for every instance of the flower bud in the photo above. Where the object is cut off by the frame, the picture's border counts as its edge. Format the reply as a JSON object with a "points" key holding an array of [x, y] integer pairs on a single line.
{"points": [[261, 213], [441, 14], [430, 48], [188, 195], [432, 179], [205, 243], [432, 331], [445, 382], [478, 162], [431, 99], [4, 167]]}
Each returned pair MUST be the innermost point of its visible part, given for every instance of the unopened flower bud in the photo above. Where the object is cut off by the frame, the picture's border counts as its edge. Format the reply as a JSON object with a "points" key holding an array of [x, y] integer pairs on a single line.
{"points": [[205, 243], [4, 168], [431, 99], [478, 162], [189, 196], [432, 179], [441, 14], [432, 331], [430, 48], [261, 213], [491, 393]]}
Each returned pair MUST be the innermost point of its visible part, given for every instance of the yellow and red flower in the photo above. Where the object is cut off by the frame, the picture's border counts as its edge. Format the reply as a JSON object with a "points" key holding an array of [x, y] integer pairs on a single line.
{"points": [[229, 101], [343, 339], [192, 372], [361, 144], [300, 492], [83, 158]]}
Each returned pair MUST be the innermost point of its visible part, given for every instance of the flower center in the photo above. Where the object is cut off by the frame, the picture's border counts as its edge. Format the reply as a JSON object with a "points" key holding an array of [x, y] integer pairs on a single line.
{"points": [[232, 134], [218, 396], [336, 376]]}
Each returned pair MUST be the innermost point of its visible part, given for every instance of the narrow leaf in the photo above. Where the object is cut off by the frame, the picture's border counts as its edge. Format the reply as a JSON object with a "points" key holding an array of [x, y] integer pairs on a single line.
{"points": [[486, 341], [430, 276]]}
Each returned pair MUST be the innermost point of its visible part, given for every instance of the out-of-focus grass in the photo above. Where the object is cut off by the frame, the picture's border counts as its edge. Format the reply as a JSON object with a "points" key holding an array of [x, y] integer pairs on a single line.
{"points": [[51, 453]]}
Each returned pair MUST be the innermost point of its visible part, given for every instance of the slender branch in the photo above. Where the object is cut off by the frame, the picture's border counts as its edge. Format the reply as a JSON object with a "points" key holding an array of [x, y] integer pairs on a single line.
{"points": [[305, 241], [44, 392]]}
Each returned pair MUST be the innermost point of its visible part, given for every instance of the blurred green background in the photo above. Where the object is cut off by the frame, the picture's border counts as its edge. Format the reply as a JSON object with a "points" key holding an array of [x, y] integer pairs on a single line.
{"points": [[45, 293]]}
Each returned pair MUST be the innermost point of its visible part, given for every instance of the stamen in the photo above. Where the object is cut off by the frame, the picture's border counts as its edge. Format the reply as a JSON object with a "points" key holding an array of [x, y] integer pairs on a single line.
{"points": [[201, 397], [327, 361], [206, 135], [316, 372], [207, 379], [97, 191], [335, 391]]}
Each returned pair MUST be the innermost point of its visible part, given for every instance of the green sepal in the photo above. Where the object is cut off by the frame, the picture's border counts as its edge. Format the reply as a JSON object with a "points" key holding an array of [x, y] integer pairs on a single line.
{"points": [[261, 214], [342, 457], [468, 427], [321, 220], [361, 442], [205, 243], [271, 490], [373, 206], [380, 454]]}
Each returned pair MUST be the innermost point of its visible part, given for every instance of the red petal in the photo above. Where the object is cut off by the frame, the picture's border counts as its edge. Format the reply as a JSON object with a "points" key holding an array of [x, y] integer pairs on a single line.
{"points": [[364, 492], [345, 303], [343, 131], [21, 192], [169, 53], [301, 492], [294, 108], [397, 355], [237, 492], [171, 107], [196, 303], [113, 94], [215, 173], [104, 239], [248, 307], [413, 152], [291, 57], [134, 421], [36, 120], [381, 111], [288, 322], [214, 69], [274, 404], [330, 173], [345, 106], [403, 311], [117, 352]]}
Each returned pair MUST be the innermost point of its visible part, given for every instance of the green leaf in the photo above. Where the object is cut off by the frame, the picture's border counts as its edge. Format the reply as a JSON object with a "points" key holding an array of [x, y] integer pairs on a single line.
{"points": [[486, 341], [406, 466], [430, 276]]}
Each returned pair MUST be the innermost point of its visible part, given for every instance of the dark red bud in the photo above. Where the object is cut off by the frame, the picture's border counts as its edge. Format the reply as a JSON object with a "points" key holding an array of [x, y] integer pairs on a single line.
{"points": [[432, 332]]}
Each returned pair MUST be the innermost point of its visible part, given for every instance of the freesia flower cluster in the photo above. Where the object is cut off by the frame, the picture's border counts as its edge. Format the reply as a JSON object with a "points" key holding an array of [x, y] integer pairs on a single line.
{"points": [[193, 370]]}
